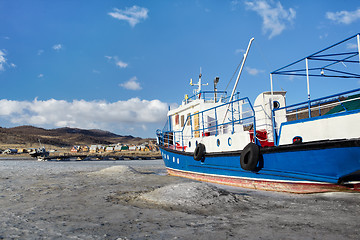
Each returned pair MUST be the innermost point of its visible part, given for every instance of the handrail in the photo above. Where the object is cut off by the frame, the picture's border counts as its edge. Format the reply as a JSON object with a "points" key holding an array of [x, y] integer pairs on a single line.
{"points": [[311, 106], [203, 94], [188, 131], [319, 99]]}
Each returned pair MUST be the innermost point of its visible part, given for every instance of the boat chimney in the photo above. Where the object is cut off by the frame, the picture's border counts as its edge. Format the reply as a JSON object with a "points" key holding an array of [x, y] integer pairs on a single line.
{"points": [[199, 89], [216, 81]]}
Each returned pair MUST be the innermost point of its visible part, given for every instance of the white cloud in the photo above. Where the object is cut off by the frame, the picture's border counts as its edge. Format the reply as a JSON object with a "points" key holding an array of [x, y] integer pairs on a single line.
{"points": [[121, 64], [238, 51], [344, 17], [40, 52], [118, 63], [253, 71], [4, 61], [132, 15], [325, 35], [234, 4], [275, 17], [57, 47], [135, 113], [132, 84], [40, 75]]}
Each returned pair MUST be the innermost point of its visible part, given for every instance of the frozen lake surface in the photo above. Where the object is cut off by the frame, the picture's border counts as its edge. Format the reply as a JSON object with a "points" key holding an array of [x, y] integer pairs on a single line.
{"points": [[137, 200]]}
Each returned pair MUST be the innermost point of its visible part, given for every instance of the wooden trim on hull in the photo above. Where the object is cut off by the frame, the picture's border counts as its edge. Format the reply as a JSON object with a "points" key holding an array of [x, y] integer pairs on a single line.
{"points": [[278, 186]]}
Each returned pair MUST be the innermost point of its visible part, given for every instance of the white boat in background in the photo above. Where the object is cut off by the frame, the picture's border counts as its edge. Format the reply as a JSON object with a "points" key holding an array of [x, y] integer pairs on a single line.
{"points": [[40, 153]]}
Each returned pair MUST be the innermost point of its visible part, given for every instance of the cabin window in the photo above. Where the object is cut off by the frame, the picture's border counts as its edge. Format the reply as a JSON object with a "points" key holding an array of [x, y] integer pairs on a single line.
{"points": [[188, 119], [182, 120], [196, 124], [177, 119]]}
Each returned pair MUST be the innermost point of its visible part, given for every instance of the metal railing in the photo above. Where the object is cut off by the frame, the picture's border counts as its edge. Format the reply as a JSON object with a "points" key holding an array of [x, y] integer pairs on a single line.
{"points": [[211, 96], [333, 104], [225, 118]]}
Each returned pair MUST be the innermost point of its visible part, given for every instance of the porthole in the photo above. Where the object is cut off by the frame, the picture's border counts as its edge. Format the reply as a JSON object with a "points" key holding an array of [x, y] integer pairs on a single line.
{"points": [[189, 144], [276, 105], [218, 142], [297, 140], [229, 141]]}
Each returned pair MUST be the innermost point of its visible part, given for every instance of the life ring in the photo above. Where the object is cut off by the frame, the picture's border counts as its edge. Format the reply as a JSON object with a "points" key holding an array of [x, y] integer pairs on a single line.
{"points": [[250, 157], [199, 152]]}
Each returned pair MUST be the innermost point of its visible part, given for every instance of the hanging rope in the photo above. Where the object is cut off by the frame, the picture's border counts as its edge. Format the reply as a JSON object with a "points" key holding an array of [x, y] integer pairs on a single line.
{"points": [[233, 76]]}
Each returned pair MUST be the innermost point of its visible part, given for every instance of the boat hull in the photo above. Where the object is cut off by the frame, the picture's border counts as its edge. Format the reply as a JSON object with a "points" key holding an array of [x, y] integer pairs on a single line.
{"points": [[304, 168]]}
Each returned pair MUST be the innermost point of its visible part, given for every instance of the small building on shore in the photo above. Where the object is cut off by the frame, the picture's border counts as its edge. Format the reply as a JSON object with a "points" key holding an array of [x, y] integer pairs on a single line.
{"points": [[132, 148], [124, 147], [75, 149], [117, 148], [85, 148], [96, 148], [109, 148]]}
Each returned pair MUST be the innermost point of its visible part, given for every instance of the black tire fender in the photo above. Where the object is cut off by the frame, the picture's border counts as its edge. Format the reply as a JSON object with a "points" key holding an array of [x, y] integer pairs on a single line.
{"points": [[250, 157], [199, 152]]}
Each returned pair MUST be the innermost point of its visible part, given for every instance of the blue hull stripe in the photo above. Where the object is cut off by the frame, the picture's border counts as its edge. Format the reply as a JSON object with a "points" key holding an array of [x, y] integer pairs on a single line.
{"points": [[317, 165]]}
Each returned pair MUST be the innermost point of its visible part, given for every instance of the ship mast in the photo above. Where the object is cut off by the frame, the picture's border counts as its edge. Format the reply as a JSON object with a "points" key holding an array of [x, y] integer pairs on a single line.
{"points": [[199, 84], [238, 77], [241, 68]]}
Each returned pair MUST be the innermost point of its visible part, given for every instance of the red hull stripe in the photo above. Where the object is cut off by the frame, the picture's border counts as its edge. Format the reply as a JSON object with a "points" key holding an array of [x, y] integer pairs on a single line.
{"points": [[290, 187]]}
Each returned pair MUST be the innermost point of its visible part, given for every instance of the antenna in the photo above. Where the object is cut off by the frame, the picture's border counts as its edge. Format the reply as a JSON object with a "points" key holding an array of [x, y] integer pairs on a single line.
{"points": [[199, 84]]}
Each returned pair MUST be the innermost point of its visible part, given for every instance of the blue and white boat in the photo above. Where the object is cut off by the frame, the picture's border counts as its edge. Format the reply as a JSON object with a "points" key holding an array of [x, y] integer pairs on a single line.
{"points": [[311, 146]]}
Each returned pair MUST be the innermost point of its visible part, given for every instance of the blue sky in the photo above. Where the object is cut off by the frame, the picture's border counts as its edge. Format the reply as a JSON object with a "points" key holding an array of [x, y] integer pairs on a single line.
{"points": [[118, 65]]}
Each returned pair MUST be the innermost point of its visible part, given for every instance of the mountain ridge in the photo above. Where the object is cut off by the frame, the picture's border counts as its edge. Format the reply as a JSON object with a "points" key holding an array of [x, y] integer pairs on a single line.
{"points": [[62, 137]]}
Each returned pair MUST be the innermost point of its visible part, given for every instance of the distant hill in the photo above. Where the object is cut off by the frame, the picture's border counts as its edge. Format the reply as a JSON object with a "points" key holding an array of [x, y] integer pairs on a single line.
{"points": [[62, 137]]}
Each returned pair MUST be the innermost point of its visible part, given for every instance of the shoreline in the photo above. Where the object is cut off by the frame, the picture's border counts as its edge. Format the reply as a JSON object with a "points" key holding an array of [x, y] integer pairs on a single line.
{"points": [[101, 155]]}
